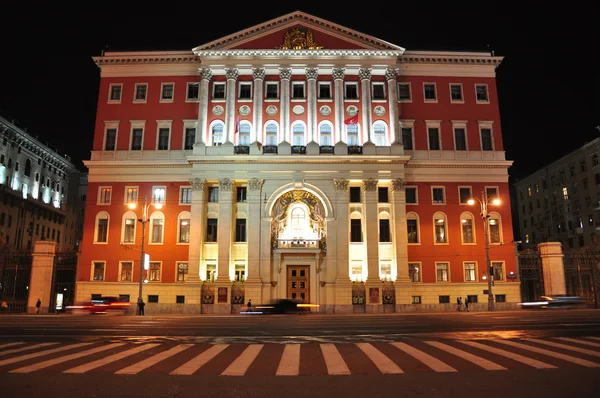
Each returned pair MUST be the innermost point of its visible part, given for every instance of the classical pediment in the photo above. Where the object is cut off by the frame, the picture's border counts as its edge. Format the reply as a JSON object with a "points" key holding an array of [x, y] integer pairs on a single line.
{"points": [[298, 31]]}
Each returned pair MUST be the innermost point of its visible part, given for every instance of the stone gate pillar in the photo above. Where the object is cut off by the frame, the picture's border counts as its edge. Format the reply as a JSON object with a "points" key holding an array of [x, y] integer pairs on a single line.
{"points": [[42, 265], [553, 268]]}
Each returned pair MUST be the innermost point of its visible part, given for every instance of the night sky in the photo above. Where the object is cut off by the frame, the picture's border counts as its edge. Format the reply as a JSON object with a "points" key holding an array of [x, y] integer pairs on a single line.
{"points": [[548, 83]]}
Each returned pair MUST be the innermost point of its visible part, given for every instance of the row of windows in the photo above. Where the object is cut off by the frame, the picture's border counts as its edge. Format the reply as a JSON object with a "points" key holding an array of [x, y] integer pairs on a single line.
{"points": [[500, 298], [438, 194], [271, 135], [159, 194], [470, 274], [298, 91]]}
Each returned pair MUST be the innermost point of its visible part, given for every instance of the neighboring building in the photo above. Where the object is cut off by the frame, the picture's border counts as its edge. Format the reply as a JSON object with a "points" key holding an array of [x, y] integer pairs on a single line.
{"points": [[561, 202], [294, 158], [36, 185]]}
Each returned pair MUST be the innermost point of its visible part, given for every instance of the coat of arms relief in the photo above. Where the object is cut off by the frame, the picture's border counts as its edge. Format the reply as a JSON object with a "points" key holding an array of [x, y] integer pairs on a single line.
{"points": [[296, 39]]}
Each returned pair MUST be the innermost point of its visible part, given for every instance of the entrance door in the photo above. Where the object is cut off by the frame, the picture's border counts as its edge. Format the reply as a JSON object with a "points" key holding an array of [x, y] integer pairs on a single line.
{"points": [[297, 282]]}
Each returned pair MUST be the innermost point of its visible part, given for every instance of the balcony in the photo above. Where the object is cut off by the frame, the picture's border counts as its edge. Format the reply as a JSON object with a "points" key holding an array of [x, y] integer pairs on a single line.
{"points": [[298, 244], [326, 149], [241, 150], [298, 150], [270, 149], [355, 150]]}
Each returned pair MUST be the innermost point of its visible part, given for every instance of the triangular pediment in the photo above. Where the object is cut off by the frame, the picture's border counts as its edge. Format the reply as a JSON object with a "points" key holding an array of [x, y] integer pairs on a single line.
{"points": [[298, 31]]}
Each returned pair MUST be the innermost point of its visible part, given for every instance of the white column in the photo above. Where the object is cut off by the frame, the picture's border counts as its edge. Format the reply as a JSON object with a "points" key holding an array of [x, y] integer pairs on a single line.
{"points": [[253, 229], [285, 74], [394, 122], [364, 75], [205, 76], [197, 222], [311, 78], [224, 234], [338, 82], [371, 225], [399, 233], [342, 211], [259, 77], [231, 113]]}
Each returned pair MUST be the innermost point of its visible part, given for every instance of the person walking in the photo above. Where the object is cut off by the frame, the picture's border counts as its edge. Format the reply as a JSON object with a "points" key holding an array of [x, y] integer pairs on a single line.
{"points": [[467, 304], [249, 309], [141, 305], [38, 305], [459, 304]]}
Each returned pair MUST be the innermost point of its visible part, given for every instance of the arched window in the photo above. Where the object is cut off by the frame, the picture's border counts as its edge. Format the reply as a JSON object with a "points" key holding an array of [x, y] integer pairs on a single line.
{"points": [[412, 228], [183, 229], [298, 221], [325, 134], [495, 228], [101, 230], [440, 228], [298, 134], [28, 168], [271, 134], [352, 131], [467, 227], [217, 134], [379, 134], [128, 227], [244, 135], [157, 222]]}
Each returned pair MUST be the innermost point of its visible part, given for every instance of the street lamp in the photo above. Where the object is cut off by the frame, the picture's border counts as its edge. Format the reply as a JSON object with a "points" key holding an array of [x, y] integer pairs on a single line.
{"points": [[484, 202], [143, 221]]}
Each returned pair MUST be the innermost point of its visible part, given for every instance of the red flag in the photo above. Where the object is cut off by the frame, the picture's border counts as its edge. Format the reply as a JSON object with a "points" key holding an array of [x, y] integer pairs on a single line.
{"points": [[352, 120]]}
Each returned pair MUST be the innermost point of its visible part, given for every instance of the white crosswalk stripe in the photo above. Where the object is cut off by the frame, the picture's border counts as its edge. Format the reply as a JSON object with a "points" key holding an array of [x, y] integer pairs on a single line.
{"points": [[520, 358], [243, 362], [579, 341], [564, 357], [146, 363], [42, 353], [10, 345], [566, 347], [289, 365], [594, 338], [27, 348], [427, 359], [334, 361], [382, 361], [484, 363], [196, 363], [109, 359]]}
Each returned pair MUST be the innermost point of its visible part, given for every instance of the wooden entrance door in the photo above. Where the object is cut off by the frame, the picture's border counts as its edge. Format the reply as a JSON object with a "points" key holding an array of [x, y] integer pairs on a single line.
{"points": [[297, 282]]}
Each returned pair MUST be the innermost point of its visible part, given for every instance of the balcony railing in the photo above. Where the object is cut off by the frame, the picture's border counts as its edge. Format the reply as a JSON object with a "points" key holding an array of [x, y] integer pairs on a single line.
{"points": [[326, 149], [298, 150], [297, 243], [270, 149], [241, 150], [355, 150]]}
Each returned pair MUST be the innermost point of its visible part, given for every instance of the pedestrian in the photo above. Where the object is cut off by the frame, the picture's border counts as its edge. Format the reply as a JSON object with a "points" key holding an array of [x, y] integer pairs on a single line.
{"points": [[249, 306], [459, 304], [467, 302], [4, 306], [38, 305], [141, 305]]}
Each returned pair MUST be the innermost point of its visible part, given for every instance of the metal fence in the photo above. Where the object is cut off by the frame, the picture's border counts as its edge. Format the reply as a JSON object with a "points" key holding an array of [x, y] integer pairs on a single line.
{"points": [[531, 275], [15, 274], [63, 280], [582, 276]]}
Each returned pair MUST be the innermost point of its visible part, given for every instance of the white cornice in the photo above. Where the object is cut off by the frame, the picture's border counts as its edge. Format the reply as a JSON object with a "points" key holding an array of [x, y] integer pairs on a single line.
{"points": [[298, 54]]}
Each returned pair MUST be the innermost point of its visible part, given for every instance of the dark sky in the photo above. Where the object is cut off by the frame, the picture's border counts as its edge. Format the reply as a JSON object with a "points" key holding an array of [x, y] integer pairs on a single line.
{"points": [[548, 83]]}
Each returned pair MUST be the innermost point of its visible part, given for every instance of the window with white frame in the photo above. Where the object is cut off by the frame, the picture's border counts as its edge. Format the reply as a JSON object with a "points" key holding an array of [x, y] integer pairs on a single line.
{"points": [[240, 230], [140, 92], [404, 92], [407, 134], [412, 228], [240, 272], [244, 134], [218, 91], [159, 194], [352, 133], [193, 90], [414, 272], [325, 134], [157, 222], [481, 93], [470, 272], [495, 229], [217, 134], [154, 272], [182, 271], [101, 233], [162, 143], [211, 230], [98, 270], [137, 137], [271, 90], [486, 139], [185, 195], [211, 272], [189, 136], [456, 94], [324, 90], [167, 92], [467, 225], [464, 194], [125, 271], [183, 232], [129, 219], [114, 93], [351, 90], [440, 228], [378, 90], [498, 268], [429, 92], [131, 194], [110, 139], [442, 272], [433, 138], [298, 90], [271, 134], [104, 195], [245, 90], [298, 134], [213, 194], [438, 195], [492, 193], [379, 131]]}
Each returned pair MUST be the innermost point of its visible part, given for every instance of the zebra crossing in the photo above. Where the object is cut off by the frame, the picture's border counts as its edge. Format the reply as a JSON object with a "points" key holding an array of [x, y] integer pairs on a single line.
{"points": [[439, 356]]}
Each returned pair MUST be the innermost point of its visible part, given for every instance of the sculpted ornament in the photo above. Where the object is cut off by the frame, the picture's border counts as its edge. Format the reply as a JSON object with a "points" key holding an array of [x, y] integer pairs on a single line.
{"points": [[296, 39], [198, 184], [255, 184], [364, 74], [390, 74], [340, 184], [232, 73], [370, 184], [325, 110], [218, 110], [338, 73], [398, 184], [245, 110], [312, 73], [379, 110], [298, 110], [285, 73], [205, 74], [258, 73], [226, 184], [271, 110], [352, 110]]}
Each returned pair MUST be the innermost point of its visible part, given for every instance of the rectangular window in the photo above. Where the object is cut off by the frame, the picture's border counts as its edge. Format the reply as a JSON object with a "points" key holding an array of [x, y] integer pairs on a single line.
{"points": [[154, 272], [460, 139], [486, 140], [131, 194], [141, 91], [501, 298], [159, 195], [213, 194], [412, 231], [137, 135], [384, 230], [240, 230], [441, 270], [416, 299], [378, 91], [272, 91], [192, 91], [411, 195], [491, 192], [467, 230], [111, 140], [355, 195], [498, 271], [404, 92], [166, 92], [245, 90], [185, 195], [482, 92], [157, 230], [241, 194], [218, 90], [126, 272], [98, 271], [470, 275], [211, 230], [324, 90], [382, 194], [190, 138], [182, 270], [414, 272], [438, 195], [163, 138], [153, 298], [211, 270], [240, 273], [129, 231], [298, 90], [464, 194], [105, 195], [355, 230], [434, 138], [351, 91], [180, 299], [407, 138], [184, 230], [429, 92], [115, 92], [456, 93], [444, 299]]}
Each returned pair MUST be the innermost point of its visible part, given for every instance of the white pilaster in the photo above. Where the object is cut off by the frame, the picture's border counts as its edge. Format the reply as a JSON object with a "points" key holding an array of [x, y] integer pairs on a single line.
{"points": [[224, 228], [197, 222], [371, 225], [365, 81], [259, 77], [394, 122], [254, 229], [311, 78], [230, 119], [205, 76], [338, 82], [285, 74], [400, 234]]}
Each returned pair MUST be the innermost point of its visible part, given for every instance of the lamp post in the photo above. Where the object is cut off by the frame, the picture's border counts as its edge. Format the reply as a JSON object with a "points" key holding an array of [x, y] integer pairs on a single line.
{"points": [[484, 202], [143, 221]]}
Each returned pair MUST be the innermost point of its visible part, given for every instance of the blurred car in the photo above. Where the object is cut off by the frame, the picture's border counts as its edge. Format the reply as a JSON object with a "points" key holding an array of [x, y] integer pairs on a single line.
{"points": [[282, 306], [103, 305], [555, 302]]}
